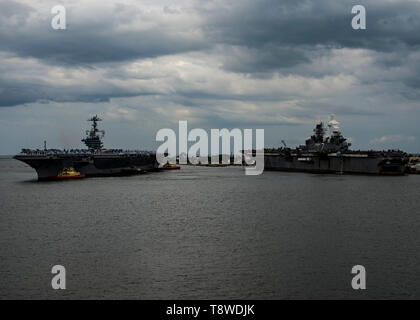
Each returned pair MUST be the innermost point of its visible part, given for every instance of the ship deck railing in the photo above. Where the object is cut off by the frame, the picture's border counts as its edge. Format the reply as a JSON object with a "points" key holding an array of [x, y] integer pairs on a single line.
{"points": [[27, 152], [370, 152]]}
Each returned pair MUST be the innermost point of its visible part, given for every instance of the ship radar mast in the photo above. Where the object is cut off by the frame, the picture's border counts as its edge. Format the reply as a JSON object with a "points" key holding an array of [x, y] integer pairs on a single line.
{"points": [[319, 132], [94, 135]]}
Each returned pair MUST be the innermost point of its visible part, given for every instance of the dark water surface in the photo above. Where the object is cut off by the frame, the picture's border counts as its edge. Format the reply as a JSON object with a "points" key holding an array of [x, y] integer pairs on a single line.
{"points": [[209, 233]]}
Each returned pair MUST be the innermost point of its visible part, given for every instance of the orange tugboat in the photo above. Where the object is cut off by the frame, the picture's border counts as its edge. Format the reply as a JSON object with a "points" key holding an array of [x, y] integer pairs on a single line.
{"points": [[169, 166], [70, 173]]}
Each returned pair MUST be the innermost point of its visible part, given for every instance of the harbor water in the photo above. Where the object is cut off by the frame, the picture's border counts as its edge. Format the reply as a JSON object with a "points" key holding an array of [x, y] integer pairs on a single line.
{"points": [[209, 233]]}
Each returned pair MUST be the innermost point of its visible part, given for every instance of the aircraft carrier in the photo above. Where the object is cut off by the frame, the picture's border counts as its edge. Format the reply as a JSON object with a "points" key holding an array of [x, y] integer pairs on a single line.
{"points": [[331, 154], [93, 161]]}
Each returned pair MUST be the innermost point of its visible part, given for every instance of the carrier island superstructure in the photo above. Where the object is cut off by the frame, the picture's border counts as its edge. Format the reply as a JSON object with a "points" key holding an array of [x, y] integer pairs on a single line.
{"points": [[332, 154], [93, 161]]}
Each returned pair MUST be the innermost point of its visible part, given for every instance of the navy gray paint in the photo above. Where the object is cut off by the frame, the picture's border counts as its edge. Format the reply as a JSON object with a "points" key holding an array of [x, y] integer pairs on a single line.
{"points": [[95, 161], [331, 154]]}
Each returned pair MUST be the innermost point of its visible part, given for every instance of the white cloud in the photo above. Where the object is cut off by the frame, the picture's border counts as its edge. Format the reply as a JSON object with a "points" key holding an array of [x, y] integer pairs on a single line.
{"points": [[392, 140]]}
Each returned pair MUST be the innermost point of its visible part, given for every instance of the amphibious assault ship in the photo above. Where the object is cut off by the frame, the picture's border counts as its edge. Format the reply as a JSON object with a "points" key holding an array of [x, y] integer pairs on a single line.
{"points": [[93, 161], [332, 154]]}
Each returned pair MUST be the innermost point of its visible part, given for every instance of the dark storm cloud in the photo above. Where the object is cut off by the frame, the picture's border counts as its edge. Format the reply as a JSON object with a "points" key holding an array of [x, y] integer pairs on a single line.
{"points": [[322, 22], [90, 40], [260, 38], [80, 47], [281, 34], [275, 34], [15, 93]]}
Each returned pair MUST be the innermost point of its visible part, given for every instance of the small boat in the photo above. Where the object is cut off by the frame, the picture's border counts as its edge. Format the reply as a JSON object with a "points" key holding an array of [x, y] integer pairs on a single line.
{"points": [[413, 165], [70, 173], [413, 168], [170, 166]]}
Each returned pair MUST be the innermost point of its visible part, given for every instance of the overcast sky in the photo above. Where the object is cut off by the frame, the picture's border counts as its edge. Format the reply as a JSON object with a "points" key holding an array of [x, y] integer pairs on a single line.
{"points": [[141, 65]]}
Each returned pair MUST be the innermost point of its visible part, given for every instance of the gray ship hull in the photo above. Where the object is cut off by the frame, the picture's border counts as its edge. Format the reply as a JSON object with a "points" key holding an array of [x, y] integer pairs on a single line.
{"points": [[342, 164], [49, 167]]}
